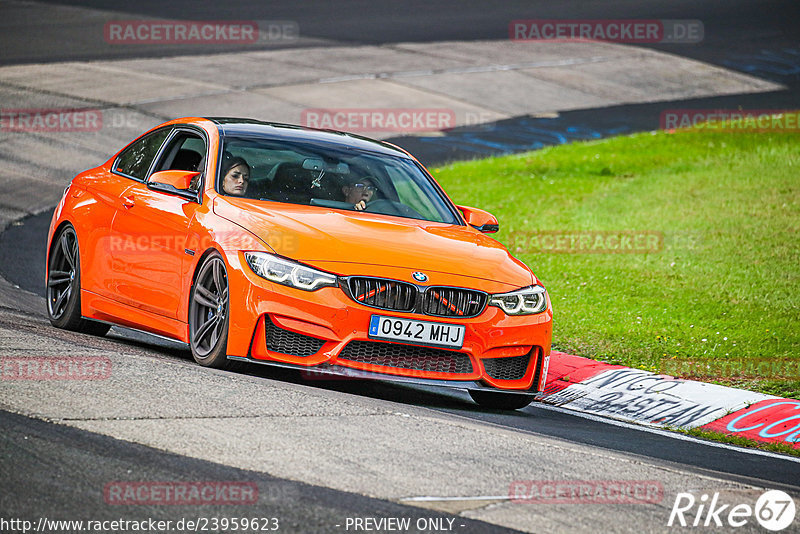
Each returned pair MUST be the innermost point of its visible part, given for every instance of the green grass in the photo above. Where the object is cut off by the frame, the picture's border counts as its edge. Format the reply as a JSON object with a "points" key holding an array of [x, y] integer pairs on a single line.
{"points": [[778, 447], [716, 302]]}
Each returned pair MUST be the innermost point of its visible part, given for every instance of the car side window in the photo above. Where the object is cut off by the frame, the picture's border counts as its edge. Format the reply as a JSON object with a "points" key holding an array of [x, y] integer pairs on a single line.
{"points": [[136, 159], [186, 151]]}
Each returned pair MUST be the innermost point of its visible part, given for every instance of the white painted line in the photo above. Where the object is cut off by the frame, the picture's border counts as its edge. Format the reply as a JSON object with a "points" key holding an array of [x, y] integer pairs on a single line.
{"points": [[476, 498], [347, 78], [118, 68], [667, 433], [467, 70]]}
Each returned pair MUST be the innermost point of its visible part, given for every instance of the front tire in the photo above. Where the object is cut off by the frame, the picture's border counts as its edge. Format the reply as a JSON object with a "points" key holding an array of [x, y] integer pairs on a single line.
{"points": [[208, 314], [500, 401], [63, 289]]}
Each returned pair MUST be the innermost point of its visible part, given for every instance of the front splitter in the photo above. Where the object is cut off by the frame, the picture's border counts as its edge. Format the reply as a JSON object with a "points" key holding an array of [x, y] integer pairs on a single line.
{"points": [[347, 372]]}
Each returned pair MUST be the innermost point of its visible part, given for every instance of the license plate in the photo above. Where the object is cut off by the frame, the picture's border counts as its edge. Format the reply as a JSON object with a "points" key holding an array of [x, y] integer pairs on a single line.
{"points": [[418, 332]]}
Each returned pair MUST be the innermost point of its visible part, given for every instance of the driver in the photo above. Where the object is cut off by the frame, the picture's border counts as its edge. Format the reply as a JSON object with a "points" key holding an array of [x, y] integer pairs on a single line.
{"points": [[359, 192]]}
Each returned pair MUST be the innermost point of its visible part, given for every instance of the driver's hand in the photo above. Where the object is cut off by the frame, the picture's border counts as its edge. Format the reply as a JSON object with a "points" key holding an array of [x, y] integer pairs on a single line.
{"points": [[360, 205]]}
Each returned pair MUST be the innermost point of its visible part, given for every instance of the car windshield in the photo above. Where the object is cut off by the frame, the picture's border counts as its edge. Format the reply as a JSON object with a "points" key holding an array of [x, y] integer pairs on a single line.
{"points": [[329, 177]]}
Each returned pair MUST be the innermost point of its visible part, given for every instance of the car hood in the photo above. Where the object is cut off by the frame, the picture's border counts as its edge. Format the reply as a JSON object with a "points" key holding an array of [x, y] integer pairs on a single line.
{"points": [[340, 241]]}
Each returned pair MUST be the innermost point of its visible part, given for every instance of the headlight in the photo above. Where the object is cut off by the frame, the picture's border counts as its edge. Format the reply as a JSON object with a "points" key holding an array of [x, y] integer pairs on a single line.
{"points": [[525, 301], [288, 273]]}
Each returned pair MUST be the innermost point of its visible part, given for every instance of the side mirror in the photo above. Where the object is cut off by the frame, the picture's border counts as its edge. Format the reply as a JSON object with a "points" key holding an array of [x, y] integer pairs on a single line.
{"points": [[176, 179], [175, 183], [481, 220]]}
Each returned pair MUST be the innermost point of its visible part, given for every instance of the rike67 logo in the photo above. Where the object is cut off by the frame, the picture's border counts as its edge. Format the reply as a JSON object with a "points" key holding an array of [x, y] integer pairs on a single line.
{"points": [[774, 510]]}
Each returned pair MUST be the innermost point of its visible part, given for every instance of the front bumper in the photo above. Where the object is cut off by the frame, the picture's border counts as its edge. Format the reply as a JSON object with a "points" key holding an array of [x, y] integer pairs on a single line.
{"points": [[325, 333], [338, 372]]}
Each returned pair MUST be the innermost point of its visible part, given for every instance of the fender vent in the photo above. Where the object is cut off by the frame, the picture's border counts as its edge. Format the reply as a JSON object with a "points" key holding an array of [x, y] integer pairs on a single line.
{"points": [[291, 343]]}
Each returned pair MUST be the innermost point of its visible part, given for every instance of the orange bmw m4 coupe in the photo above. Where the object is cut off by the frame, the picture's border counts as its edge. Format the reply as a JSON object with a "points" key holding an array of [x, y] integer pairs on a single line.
{"points": [[312, 249]]}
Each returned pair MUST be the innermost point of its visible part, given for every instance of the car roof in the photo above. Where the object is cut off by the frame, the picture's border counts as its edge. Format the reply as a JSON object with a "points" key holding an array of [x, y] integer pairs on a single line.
{"points": [[230, 126]]}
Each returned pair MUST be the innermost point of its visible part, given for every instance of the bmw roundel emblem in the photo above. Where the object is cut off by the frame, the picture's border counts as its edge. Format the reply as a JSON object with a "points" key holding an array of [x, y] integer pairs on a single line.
{"points": [[420, 277]]}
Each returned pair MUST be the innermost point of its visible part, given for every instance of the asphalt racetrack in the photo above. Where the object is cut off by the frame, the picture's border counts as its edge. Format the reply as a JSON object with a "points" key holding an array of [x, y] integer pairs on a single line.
{"points": [[322, 453]]}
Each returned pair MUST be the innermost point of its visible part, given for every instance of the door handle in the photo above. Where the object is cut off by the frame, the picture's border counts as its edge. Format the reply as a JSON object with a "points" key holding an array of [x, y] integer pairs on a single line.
{"points": [[128, 201]]}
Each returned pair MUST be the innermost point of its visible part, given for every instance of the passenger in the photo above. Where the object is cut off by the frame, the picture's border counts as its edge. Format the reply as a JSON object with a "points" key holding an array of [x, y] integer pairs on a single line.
{"points": [[359, 191], [236, 175]]}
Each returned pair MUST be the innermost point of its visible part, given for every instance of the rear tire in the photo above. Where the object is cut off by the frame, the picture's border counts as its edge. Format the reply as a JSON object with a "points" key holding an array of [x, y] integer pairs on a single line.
{"points": [[63, 286], [500, 401], [208, 315]]}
